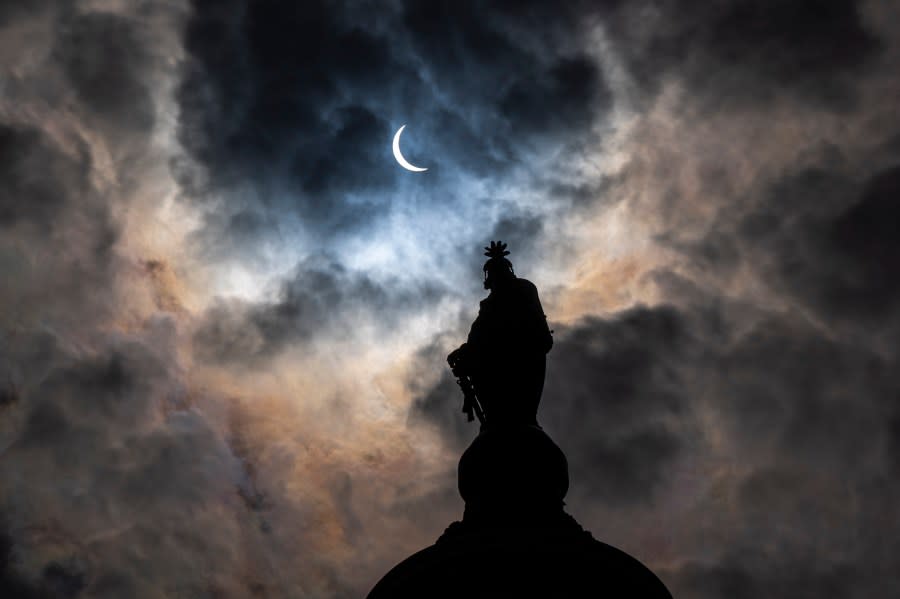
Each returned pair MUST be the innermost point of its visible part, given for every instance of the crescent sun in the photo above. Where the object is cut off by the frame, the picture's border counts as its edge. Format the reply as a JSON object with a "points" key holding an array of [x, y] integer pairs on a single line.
{"points": [[399, 156]]}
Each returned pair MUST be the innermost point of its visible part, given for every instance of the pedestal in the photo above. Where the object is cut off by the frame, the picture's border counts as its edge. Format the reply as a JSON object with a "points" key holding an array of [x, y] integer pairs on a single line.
{"points": [[515, 539]]}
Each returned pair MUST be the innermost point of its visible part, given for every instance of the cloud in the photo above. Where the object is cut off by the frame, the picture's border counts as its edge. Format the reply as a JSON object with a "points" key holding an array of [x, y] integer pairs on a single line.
{"points": [[112, 452], [309, 100], [106, 64], [297, 101], [320, 296], [11, 584], [819, 234], [864, 236], [58, 232], [33, 168], [743, 52], [754, 575]]}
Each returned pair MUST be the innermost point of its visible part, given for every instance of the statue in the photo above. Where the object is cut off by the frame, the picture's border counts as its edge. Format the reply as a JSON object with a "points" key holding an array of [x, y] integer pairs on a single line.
{"points": [[501, 366], [515, 538]]}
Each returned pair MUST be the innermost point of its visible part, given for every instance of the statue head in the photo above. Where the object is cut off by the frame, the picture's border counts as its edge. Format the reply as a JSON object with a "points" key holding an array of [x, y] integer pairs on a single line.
{"points": [[497, 270]]}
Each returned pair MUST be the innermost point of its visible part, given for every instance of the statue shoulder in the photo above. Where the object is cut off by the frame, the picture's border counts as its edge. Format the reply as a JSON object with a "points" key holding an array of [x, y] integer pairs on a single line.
{"points": [[526, 284], [525, 288]]}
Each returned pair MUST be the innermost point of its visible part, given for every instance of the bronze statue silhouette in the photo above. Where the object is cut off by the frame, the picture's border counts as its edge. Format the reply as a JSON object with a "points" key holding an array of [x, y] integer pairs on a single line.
{"points": [[515, 538], [501, 366]]}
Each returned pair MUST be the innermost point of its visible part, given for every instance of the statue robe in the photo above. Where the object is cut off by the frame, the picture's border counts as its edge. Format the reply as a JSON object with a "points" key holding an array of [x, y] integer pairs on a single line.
{"points": [[506, 353]]}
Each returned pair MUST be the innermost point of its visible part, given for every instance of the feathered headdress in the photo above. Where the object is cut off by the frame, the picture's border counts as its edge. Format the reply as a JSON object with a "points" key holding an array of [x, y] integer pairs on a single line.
{"points": [[497, 249], [496, 254]]}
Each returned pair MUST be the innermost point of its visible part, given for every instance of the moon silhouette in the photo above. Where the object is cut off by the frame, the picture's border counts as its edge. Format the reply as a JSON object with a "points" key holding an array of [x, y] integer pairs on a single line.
{"points": [[399, 156]]}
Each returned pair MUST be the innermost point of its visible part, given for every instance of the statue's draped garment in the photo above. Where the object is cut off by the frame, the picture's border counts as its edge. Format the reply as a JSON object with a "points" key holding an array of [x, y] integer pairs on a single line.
{"points": [[506, 352]]}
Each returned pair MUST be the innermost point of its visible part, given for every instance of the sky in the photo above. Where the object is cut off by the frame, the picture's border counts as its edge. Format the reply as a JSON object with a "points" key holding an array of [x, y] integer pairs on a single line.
{"points": [[225, 308]]}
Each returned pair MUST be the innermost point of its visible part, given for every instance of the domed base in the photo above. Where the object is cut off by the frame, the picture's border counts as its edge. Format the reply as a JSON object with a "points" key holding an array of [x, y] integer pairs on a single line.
{"points": [[528, 562], [513, 473], [515, 540]]}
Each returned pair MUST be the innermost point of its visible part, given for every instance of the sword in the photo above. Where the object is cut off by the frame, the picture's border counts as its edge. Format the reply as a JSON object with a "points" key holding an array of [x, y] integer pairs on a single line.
{"points": [[470, 400], [471, 406]]}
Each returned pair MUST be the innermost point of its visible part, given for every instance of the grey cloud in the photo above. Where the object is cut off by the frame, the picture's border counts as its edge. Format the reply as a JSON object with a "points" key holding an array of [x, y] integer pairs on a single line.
{"points": [[821, 235], [12, 584], [796, 537], [745, 576], [87, 431], [64, 580], [865, 237], [623, 381], [39, 179], [78, 113], [802, 379], [743, 52], [521, 229], [496, 54], [147, 489], [11, 11], [59, 234], [299, 104], [822, 400], [565, 98], [295, 101], [319, 294], [440, 406], [110, 477], [106, 62]]}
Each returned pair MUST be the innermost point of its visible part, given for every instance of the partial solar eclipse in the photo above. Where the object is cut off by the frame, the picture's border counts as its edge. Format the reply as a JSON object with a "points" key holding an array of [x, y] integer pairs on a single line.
{"points": [[399, 156]]}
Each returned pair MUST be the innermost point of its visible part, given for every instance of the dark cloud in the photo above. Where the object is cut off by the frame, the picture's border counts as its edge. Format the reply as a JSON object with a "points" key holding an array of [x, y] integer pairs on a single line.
{"points": [[62, 391], [823, 236], [295, 88], [98, 420], [865, 236], [12, 584], [106, 63], [797, 538], [743, 52], [744, 576], [440, 405], [301, 104], [810, 415], [622, 379], [319, 296], [38, 178], [64, 580], [124, 459], [822, 400], [496, 58], [59, 233], [8, 394], [572, 89], [798, 372], [521, 230], [78, 116], [11, 11]]}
